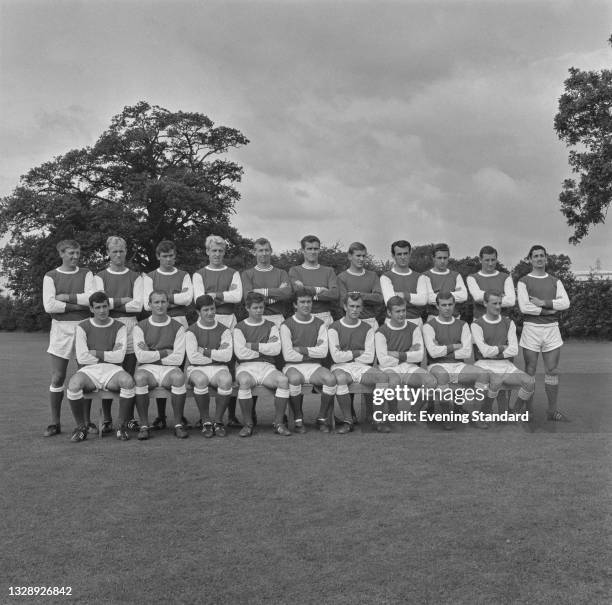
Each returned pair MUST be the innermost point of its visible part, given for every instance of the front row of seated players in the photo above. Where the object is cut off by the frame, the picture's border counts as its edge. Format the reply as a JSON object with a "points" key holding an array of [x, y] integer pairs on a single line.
{"points": [[161, 343]]}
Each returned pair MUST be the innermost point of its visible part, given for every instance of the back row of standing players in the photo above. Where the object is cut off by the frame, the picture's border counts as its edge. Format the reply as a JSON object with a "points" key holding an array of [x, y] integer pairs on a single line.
{"points": [[67, 290]]}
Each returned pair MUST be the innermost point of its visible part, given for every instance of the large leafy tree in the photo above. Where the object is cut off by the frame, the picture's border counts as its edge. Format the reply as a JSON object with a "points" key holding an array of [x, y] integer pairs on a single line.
{"points": [[152, 175], [584, 123]]}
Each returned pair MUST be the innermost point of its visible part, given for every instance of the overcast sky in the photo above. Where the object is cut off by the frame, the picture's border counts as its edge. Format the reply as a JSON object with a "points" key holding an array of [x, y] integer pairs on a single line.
{"points": [[430, 121]]}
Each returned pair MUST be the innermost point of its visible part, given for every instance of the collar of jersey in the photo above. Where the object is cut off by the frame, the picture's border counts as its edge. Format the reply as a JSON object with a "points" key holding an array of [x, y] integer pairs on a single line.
{"points": [[484, 317], [496, 272], [311, 268], [398, 273], [125, 270], [303, 322], [174, 270], [537, 276], [60, 270], [213, 269], [350, 325], [164, 323], [208, 327], [263, 270], [445, 323], [363, 272], [93, 323], [435, 272], [261, 323], [388, 323]]}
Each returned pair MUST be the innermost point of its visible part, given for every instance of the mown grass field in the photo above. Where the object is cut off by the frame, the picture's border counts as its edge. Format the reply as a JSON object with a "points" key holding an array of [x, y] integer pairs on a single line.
{"points": [[418, 516]]}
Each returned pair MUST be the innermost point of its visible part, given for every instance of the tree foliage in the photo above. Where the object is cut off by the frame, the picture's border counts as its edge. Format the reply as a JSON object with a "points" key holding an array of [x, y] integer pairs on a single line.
{"points": [[584, 123], [152, 175]]}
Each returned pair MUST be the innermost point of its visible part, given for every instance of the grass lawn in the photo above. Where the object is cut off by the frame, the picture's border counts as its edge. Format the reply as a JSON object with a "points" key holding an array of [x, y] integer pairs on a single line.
{"points": [[419, 516]]}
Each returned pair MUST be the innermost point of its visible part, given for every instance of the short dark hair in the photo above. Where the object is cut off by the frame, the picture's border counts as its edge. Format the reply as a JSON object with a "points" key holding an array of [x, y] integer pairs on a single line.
{"points": [[395, 301], [165, 246], [160, 292], [309, 239], [352, 296], [204, 300], [253, 297], [440, 248], [67, 243], [445, 295], [299, 293], [262, 241], [488, 293], [400, 243], [487, 250], [98, 297], [534, 248], [357, 246]]}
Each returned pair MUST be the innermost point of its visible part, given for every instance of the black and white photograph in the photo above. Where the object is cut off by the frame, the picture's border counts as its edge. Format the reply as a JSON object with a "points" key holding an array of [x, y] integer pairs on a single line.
{"points": [[306, 301]]}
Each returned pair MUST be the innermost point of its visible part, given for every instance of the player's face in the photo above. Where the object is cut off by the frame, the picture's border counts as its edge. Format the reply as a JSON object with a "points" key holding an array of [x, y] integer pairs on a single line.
{"points": [[397, 314], [215, 255], [100, 311], [303, 307], [167, 260], [353, 309], [357, 259], [159, 305], [402, 257], [256, 311], [207, 315], [488, 263], [538, 259], [446, 308], [311, 252], [263, 254], [441, 261], [493, 305], [117, 254], [70, 257]]}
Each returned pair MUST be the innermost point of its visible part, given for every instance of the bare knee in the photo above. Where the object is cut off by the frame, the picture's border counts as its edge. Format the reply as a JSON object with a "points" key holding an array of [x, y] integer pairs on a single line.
{"points": [[57, 378], [125, 381], [224, 381], [140, 378]]}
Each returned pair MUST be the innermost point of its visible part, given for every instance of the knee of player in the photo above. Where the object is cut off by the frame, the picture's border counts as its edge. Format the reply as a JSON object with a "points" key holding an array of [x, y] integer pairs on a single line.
{"points": [[140, 378], [243, 380], [225, 381], [198, 379], [429, 381], [57, 378], [177, 377], [126, 381], [529, 382], [328, 379], [341, 378], [295, 379], [552, 372], [75, 383], [495, 382], [283, 382]]}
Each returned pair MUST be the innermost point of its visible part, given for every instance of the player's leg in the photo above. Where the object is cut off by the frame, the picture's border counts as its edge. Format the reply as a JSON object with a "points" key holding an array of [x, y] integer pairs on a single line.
{"points": [[443, 381], [530, 358], [129, 365], [324, 378], [199, 380], [175, 379], [524, 381], [296, 380], [277, 380], [222, 380], [551, 384], [77, 384], [343, 380], [143, 380], [478, 378], [245, 399], [372, 378], [124, 383], [59, 365]]}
